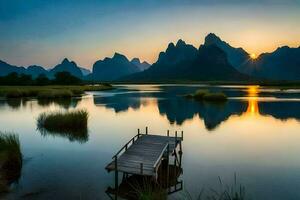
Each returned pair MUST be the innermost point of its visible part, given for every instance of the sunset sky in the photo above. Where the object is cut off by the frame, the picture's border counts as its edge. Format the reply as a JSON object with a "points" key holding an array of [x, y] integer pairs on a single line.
{"points": [[43, 32]]}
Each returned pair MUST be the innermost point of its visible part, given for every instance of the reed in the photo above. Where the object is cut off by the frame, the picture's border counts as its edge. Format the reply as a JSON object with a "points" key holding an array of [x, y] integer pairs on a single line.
{"points": [[215, 97], [53, 91], [149, 190], [10, 160], [234, 191], [205, 95], [70, 121]]}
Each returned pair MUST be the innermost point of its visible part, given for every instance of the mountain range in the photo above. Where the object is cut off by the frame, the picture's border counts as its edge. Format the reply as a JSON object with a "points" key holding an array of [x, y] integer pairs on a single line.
{"points": [[114, 68], [187, 63], [214, 60], [282, 64]]}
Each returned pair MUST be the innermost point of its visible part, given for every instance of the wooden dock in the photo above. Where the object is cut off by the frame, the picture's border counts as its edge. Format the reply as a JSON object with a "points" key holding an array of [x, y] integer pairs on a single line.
{"points": [[143, 154]]}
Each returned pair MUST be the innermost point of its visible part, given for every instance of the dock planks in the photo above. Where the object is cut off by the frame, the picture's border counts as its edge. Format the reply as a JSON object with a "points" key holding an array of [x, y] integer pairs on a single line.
{"points": [[143, 156]]}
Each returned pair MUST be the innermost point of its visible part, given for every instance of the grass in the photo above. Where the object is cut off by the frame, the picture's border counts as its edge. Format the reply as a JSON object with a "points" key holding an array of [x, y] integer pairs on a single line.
{"points": [[235, 191], [149, 190], [10, 160], [71, 124], [54, 91], [205, 95]]}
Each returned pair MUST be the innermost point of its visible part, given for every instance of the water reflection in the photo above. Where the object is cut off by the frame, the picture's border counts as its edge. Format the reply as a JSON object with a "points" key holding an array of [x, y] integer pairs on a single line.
{"points": [[63, 103], [80, 136], [252, 108], [167, 183], [17, 103], [177, 109]]}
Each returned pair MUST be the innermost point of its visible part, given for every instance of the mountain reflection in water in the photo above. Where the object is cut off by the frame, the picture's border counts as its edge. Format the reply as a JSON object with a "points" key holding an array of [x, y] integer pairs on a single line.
{"points": [[171, 103]]}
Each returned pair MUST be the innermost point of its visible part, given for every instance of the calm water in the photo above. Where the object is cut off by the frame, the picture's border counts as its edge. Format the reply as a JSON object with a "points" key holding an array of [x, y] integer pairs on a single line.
{"points": [[256, 135]]}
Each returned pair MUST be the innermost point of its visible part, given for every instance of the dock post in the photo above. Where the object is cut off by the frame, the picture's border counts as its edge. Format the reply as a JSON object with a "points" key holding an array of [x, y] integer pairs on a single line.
{"points": [[168, 150], [175, 138], [180, 153], [146, 130], [168, 133], [181, 135], [138, 132], [141, 165], [116, 177]]}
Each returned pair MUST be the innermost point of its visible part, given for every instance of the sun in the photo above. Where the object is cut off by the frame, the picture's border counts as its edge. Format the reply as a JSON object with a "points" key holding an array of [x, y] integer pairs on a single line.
{"points": [[253, 56]]}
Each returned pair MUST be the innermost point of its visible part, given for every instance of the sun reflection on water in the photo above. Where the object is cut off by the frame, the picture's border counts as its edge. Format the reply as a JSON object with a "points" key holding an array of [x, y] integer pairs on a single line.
{"points": [[253, 108]]}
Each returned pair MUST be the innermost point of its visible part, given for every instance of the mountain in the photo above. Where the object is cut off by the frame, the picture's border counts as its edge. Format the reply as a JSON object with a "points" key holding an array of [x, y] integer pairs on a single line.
{"points": [[67, 66], [184, 62], [6, 69], [282, 64], [142, 66], [113, 68], [35, 71], [85, 71], [236, 56]]}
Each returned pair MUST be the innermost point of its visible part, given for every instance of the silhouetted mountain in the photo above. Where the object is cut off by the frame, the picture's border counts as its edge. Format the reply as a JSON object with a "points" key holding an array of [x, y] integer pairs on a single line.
{"points": [[185, 62], [282, 64], [142, 66], [236, 56], [85, 71], [113, 68], [35, 71], [6, 69], [67, 66]]}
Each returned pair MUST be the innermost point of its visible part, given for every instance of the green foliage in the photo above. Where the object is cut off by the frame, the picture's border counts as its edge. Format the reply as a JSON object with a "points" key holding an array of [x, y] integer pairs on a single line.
{"points": [[52, 93], [70, 121], [55, 91], [205, 95], [65, 78], [42, 80], [215, 97], [10, 159], [60, 78], [149, 190], [234, 191], [199, 94]]}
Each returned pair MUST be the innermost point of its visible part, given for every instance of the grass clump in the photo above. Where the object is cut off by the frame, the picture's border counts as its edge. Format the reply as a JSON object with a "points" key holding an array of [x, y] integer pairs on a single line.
{"points": [[51, 94], [149, 190], [215, 97], [10, 160], [53, 91], [234, 191], [70, 121], [205, 95]]}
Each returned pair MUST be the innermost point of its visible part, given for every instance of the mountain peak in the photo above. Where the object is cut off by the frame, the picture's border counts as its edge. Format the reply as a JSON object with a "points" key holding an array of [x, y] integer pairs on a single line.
{"points": [[65, 60], [171, 45], [180, 42], [135, 60], [211, 38], [118, 55]]}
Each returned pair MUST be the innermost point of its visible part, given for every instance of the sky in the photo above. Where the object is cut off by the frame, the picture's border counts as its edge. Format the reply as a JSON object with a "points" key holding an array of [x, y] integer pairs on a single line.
{"points": [[43, 32]]}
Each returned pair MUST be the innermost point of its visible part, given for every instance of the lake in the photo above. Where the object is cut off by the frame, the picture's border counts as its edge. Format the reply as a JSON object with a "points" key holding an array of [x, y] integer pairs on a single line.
{"points": [[255, 135]]}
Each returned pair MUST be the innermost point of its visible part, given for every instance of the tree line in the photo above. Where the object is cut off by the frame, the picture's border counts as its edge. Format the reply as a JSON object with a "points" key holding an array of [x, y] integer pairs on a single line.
{"points": [[60, 78]]}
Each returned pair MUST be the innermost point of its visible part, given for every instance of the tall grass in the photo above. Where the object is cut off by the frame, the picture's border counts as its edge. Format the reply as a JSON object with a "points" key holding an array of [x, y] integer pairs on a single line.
{"points": [[205, 95], [51, 93], [54, 91], [72, 124], [234, 191], [149, 190], [10, 159]]}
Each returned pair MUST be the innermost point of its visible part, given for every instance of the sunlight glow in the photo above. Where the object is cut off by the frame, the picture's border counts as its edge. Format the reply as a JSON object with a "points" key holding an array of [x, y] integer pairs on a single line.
{"points": [[253, 56], [252, 100]]}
